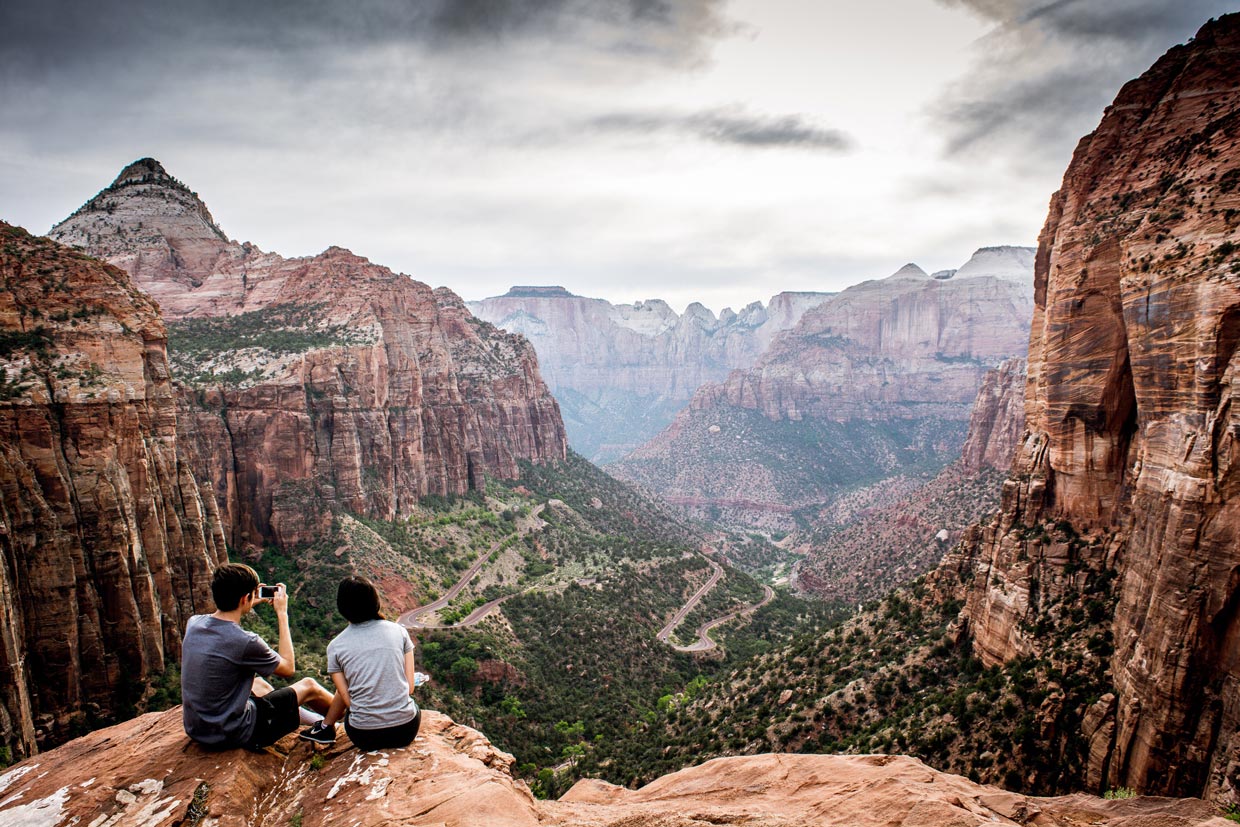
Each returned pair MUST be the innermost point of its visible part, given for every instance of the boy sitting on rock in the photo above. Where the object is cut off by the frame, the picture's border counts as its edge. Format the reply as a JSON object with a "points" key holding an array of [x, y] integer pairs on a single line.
{"points": [[225, 702]]}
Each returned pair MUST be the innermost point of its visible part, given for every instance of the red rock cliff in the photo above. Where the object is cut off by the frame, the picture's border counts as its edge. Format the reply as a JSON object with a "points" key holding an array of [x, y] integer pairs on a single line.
{"points": [[1134, 427], [997, 423], [323, 383], [107, 540]]}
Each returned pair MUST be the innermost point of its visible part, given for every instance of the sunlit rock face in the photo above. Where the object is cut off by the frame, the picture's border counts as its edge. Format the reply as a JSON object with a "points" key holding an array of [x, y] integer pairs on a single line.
{"points": [[145, 772], [317, 384], [877, 381], [1133, 427], [107, 536], [622, 371]]}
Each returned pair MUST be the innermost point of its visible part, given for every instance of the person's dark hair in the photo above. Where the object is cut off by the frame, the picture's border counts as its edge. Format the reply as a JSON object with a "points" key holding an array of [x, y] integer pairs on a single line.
{"points": [[230, 583], [358, 600]]}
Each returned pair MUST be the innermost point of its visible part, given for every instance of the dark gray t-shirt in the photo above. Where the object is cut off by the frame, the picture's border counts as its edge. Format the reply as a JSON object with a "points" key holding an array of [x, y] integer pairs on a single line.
{"points": [[372, 657], [219, 660]]}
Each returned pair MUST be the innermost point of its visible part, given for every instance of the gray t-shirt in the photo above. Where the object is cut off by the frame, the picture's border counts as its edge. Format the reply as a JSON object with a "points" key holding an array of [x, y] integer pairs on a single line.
{"points": [[372, 657], [219, 660]]}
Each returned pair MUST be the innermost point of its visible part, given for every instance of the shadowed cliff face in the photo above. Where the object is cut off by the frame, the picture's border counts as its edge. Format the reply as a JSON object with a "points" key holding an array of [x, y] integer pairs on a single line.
{"points": [[1134, 425], [317, 384], [107, 540]]}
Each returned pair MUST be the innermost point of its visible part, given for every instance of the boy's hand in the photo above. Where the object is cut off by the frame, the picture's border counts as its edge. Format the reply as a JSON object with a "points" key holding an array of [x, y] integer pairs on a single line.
{"points": [[280, 601]]}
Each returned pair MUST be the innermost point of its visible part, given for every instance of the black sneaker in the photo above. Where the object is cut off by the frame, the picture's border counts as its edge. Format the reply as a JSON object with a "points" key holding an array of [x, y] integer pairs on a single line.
{"points": [[319, 734]]}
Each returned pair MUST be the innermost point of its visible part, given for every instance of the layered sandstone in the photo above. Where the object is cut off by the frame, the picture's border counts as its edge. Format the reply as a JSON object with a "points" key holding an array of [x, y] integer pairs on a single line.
{"points": [[997, 422], [1128, 472], [145, 772], [107, 537], [320, 384], [622, 371], [874, 382]]}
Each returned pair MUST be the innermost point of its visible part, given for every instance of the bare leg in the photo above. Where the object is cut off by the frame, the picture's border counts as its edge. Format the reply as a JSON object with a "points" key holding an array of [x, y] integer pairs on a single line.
{"points": [[336, 712], [260, 687], [312, 694]]}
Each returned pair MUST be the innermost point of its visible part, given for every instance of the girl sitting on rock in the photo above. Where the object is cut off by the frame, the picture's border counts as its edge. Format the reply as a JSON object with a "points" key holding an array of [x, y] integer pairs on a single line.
{"points": [[371, 664]]}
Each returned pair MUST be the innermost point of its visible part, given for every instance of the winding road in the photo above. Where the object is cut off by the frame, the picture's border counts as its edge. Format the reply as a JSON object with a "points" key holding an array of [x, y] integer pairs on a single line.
{"points": [[693, 601], [704, 643], [410, 618]]}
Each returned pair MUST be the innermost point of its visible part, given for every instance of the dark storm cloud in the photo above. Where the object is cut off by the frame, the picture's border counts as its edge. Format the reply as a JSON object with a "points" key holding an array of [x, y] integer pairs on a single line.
{"points": [[44, 33], [1048, 69], [727, 126]]}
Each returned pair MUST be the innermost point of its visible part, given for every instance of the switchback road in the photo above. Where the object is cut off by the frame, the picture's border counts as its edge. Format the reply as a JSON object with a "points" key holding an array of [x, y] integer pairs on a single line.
{"points": [[410, 618]]}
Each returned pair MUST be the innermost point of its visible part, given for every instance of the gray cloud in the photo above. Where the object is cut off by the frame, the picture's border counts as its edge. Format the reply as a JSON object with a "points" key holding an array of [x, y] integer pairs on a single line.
{"points": [[47, 35], [730, 126], [1048, 69]]}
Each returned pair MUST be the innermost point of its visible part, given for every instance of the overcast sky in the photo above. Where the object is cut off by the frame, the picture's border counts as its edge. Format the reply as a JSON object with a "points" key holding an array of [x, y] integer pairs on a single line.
{"points": [[692, 150]]}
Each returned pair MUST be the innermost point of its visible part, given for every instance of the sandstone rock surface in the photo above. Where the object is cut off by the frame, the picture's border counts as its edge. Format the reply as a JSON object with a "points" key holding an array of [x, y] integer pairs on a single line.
{"points": [[1133, 428], [107, 538], [876, 380], [621, 372], [997, 423], [146, 772], [317, 384]]}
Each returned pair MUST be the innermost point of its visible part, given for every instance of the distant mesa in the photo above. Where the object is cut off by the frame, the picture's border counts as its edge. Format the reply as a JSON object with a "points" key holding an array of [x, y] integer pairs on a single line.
{"points": [[621, 371], [534, 291], [942, 275]]}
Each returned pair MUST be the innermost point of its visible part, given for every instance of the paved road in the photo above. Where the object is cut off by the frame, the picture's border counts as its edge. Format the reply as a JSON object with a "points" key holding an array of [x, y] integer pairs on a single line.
{"points": [[410, 618], [704, 642], [693, 601]]}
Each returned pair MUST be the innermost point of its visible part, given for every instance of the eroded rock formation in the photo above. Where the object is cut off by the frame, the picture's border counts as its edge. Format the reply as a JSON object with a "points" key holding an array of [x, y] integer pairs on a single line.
{"points": [[1129, 472], [145, 772], [621, 372], [997, 423], [107, 539], [876, 381], [317, 384]]}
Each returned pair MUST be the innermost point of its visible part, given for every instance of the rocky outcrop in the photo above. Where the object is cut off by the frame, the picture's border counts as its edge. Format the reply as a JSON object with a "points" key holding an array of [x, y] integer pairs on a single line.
{"points": [[1128, 472], [146, 772], [997, 422], [621, 372], [107, 538], [321, 384], [876, 381]]}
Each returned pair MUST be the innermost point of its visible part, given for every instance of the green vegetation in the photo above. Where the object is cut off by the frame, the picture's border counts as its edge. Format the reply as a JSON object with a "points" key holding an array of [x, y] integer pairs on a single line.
{"points": [[1119, 793], [278, 330], [901, 678]]}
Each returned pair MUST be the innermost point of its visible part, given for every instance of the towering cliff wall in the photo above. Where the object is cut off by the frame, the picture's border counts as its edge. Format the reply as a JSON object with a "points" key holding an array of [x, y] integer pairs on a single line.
{"points": [[621, 372], [107, 540], [875, 382], [317, 384], [1128, 473]]}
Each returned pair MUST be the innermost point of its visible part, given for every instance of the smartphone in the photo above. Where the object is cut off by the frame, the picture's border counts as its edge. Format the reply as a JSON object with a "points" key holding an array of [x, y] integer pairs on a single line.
{"points": [[267, 592]]}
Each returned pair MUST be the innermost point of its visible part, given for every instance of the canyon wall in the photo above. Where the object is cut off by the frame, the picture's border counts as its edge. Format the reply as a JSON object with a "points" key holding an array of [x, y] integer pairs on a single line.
{"points": [[1128, 473], [621, 372], [874, 383], [108, 539], [997, 423], [319, 384]]}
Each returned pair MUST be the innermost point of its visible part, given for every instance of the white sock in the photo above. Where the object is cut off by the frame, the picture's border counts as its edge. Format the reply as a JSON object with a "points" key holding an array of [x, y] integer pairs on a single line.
{"points": [[307, 716]]}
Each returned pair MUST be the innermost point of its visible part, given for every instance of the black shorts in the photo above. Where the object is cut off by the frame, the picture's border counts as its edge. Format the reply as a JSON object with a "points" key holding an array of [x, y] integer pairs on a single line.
{"points": [[392, 737], [277, 716]]}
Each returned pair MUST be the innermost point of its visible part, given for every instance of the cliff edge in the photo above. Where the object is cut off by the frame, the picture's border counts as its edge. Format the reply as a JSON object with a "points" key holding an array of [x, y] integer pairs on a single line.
{"points": [[146, 772]]}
